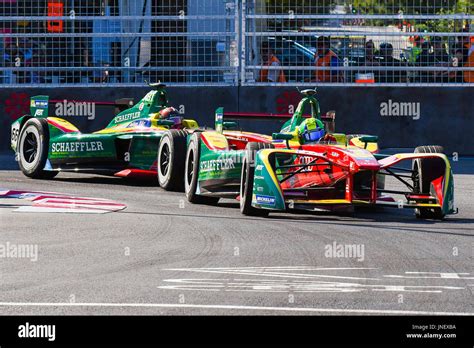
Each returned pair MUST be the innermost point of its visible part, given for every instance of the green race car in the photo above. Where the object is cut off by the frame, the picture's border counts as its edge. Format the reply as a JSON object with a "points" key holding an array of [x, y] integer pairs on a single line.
{"points": [[148, 139], [136, 142]]}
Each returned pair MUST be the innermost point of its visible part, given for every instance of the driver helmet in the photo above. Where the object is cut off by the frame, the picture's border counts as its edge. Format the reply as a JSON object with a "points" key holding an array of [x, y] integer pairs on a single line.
{"points": [[310, 130], [167, 112]]}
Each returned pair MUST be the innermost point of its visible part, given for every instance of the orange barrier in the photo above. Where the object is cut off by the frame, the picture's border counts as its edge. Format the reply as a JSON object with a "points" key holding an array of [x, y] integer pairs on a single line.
{"points": [[55, 9]]}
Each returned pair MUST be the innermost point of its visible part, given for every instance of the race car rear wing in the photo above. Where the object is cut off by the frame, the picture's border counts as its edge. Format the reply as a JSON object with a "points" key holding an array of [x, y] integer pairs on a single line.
{"points": [[39, 105], [329, 119]]}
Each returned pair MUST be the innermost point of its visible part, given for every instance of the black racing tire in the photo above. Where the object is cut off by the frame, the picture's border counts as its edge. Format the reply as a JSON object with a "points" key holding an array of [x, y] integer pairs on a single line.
{"points": [[33, 147], [191, 173], [170, 161], [429, 149], [247, 179], [424, 172]]}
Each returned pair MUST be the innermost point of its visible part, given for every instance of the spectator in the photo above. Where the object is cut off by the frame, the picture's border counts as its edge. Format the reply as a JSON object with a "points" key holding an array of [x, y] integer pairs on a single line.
{"points": [[464, 44], [426, 59], [20, 55], [387, 75], [439, 50], [371, 60], [435, 55], [441, 59], [416, 49], [469, 63], [269, 59], [324, 57]]}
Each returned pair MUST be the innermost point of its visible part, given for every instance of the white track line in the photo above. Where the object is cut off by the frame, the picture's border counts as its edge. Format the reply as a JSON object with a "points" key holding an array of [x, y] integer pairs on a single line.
{"points": [[229, 307]]}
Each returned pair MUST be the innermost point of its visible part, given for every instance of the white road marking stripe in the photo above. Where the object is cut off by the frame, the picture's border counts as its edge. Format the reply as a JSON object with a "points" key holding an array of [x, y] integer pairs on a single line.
{"points": [[265, 285], [269, 279], [434, 273], [230, 307], [243, 271], [308, 268], [444, 277]]}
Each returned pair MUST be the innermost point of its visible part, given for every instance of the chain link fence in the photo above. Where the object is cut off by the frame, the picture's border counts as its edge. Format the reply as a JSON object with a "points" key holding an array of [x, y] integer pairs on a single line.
{"points": [[118, 42], [360, 42], [232, 42]]}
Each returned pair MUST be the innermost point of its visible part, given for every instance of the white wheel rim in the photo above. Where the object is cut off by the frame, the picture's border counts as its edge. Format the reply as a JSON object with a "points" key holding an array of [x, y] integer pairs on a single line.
{"points": [[21, 149], [163, 177]]}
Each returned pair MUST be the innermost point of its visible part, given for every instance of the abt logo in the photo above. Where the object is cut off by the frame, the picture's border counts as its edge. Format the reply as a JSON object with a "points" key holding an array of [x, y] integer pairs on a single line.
{"points": [[39, 112], [398, 109], [78, 109]]}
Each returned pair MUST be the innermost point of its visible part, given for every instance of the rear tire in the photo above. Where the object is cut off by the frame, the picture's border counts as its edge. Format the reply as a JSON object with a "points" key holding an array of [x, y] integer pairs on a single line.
{"points": [[170, 163], [191, 173], [33, 147], [425, 171], [247, 179]]}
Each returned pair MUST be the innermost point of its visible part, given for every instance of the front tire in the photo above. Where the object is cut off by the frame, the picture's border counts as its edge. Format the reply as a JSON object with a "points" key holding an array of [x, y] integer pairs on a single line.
{"points": [[170, 169], [247, 179], [425, 171], [191, 173], [33, 147]]}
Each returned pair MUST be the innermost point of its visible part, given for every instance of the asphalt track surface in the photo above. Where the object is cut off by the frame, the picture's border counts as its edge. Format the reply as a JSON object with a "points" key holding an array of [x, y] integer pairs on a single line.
{"points": [[162, 255]]}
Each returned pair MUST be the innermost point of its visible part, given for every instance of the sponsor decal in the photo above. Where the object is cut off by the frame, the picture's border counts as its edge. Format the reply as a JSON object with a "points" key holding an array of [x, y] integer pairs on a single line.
{"points": [[219, 120], [39, 112], [39, 103], [149, 96], [307, 160], [127, 117], [399, 109], [266, 200], [217, 165], [214, 141], [79, 109], [140, 123], [79, 146]]}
